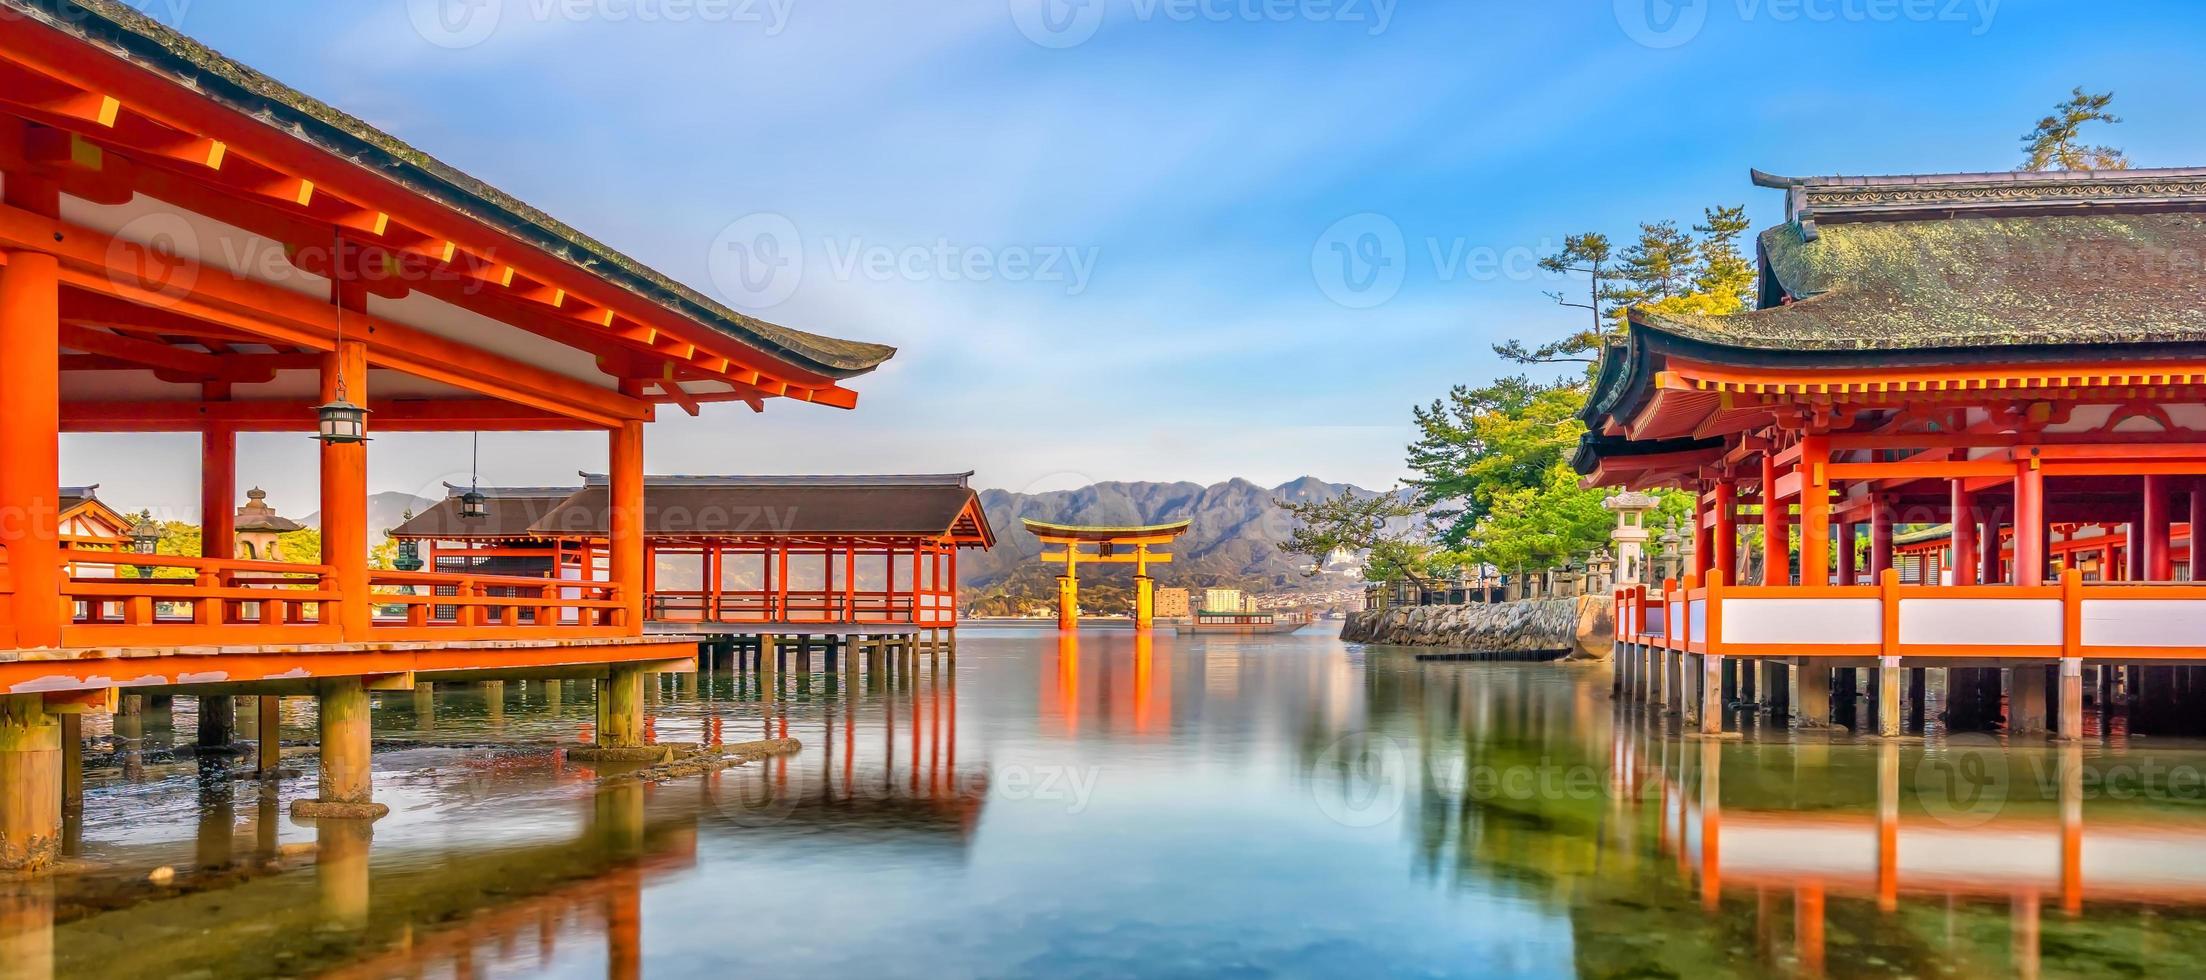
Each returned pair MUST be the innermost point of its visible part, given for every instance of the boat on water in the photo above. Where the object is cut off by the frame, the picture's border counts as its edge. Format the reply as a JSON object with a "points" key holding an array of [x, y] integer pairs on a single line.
{"points": [[1246, 623]]}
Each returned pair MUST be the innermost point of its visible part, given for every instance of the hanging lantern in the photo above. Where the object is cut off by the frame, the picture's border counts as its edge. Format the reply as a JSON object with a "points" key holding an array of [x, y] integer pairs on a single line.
{"points": [[409, 556], [145, 536], [342, 422], [471, 506], [145, 539]]}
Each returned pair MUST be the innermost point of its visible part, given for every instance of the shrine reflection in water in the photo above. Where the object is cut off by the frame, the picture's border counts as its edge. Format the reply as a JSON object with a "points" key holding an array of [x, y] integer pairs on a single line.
{"points": [[1108, 806]]}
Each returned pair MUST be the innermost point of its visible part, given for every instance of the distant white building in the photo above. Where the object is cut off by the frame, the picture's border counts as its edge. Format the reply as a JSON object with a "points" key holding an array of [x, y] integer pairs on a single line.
{"points": [[1344, 563]]}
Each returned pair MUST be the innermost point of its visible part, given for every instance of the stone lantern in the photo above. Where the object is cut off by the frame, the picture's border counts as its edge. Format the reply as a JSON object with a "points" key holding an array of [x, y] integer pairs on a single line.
{"points": [[1630, 535], [1669, 544], [1601, 571]]}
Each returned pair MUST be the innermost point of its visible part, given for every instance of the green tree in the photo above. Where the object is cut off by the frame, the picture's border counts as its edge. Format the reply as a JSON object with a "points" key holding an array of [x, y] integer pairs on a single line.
{"points": [[1725, 273], [1381, 527], [1487, 440], [1661, 264], [1586, 255], [2057, 142], [303, 546], [1542, 524]]}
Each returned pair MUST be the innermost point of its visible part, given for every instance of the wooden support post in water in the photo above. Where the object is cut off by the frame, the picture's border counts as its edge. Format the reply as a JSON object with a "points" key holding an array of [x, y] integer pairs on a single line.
{"points": [[620, 708], [1811, 693], [1888, 696], [2026, 700], [217, 721], [347, 784], [1711, 690], [2071, 698], [266, 724], [72, 763]]}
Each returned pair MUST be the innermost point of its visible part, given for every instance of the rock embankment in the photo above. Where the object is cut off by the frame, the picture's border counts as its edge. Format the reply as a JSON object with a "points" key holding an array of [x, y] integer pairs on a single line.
{"points": [[1579, 628]]}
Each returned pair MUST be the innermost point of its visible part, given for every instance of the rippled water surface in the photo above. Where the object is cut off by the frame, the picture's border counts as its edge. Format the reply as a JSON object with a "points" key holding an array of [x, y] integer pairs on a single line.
{"points": [[1256, 806]]}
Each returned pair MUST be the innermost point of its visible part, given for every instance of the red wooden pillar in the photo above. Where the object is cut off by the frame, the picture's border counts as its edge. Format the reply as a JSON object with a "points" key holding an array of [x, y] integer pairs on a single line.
{"points": [[714, 555], [1993, 570], [780, 612], [345, 479], [1776, 541], [1703, 541], [30, 422], [2197, 519], [1966, 559], [850, 582], [217, 481], [1723, 547], [624, 519], [2159, 515], [1815, 511], [2029, 522], [1880, 536], [1847, 573]]}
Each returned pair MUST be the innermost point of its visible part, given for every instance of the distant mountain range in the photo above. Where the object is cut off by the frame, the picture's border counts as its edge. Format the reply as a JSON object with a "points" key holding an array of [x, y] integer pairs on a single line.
{"points": [[1234, 542]]}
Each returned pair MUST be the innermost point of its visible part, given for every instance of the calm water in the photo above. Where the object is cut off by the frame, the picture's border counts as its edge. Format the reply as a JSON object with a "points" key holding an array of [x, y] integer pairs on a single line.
{"points": [[1262, 806]]}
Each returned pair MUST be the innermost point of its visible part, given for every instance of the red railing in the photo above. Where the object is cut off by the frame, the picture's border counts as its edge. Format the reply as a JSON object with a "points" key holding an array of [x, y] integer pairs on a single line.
{"points": [[233, 601], [2060, 619], [448, 605], [927, 609], [224, 601]]}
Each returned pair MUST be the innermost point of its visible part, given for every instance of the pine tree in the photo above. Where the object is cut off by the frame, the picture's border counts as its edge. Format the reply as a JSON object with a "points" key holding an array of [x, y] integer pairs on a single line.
{"points": [[2056, 145]]}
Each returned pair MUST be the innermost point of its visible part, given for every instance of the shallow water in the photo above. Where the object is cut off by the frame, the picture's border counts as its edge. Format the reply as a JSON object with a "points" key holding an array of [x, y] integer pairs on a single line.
{"points": [[1255, 806]]}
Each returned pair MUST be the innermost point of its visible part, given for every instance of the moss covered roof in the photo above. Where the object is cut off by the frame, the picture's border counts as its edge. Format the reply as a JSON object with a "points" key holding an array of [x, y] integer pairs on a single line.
{"points": [[2115, 278], [122, 30]]}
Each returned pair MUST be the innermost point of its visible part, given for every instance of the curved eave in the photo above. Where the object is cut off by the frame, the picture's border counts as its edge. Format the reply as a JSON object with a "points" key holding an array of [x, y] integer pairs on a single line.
{"points": [[1094, 533], [1708, 341], [148, 44]]}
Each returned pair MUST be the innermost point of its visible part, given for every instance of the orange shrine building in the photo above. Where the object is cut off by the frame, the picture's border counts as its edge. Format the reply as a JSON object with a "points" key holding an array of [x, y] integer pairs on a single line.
{"points": [[815, 555], [2019, 357], [188, 246]]}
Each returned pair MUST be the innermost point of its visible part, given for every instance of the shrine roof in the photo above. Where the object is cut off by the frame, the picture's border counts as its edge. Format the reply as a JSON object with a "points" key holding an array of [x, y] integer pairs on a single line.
{"points": [[899, 506], [124, 32]]}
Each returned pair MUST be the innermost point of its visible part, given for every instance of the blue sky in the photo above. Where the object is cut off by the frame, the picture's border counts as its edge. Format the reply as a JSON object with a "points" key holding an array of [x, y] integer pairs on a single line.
{"points": [[1188, 163]]}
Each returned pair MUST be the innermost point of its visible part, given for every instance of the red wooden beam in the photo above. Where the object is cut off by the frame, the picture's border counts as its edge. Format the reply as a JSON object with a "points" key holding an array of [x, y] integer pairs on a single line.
{"points": [[456, 415], [305, 173]]}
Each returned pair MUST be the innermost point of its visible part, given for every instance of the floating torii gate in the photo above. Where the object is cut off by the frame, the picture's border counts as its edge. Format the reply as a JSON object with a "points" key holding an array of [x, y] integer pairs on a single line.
{"points": [[1108, 542]]}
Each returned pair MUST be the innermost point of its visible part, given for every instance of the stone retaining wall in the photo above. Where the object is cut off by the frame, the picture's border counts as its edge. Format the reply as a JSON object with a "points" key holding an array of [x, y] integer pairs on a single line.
{"points": [[1579, 628]]}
